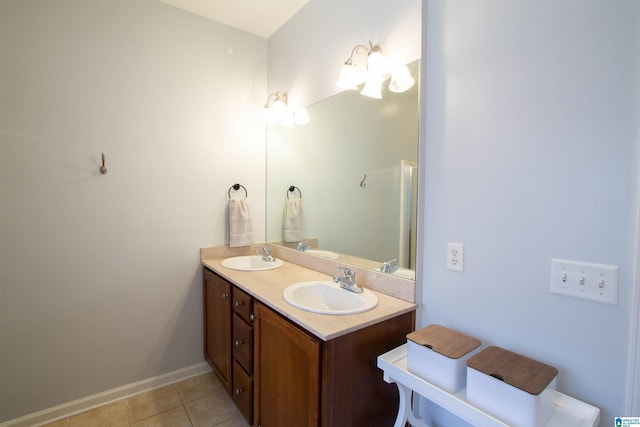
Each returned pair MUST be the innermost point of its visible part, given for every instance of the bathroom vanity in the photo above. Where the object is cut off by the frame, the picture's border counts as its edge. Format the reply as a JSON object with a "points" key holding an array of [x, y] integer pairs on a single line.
{"points": [[286, 366]]}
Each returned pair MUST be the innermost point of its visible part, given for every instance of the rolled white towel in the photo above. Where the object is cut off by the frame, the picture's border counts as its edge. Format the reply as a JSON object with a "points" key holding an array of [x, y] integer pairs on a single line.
{"points": [[292, 221], [240, 225]]}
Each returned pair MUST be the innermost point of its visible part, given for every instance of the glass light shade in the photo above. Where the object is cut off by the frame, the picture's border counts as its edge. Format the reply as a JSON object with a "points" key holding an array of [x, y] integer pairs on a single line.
{"points": [[401, 80], [301, 117], [376, 64], [373, 88], [348, 78]]}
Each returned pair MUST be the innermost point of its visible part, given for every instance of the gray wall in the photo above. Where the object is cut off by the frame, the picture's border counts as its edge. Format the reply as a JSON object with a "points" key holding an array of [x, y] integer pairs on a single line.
{"points": [[99, 275], [531, 153]]}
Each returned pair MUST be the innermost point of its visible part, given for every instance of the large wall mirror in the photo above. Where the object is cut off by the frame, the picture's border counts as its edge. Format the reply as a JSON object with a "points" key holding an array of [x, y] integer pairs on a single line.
{"points": [[355, 166]]}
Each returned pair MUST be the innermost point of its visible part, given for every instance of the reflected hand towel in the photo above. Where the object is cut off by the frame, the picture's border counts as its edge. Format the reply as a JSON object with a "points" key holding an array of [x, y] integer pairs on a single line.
{"points": [[292, 221], [240, 226]]}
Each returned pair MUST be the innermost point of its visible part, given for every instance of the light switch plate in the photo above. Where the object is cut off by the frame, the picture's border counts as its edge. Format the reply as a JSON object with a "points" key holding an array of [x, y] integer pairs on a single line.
{"points": [[594, 282]]}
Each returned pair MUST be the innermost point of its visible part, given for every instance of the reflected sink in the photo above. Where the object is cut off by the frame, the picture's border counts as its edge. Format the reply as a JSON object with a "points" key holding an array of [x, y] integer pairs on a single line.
{"points": [[250, 263], [322, 253], [326, 297]]}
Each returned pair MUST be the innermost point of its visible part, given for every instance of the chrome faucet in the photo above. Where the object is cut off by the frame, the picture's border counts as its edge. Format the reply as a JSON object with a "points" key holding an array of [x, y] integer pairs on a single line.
{"points": [[348, 282], [303, 246], [266, 254], [389, 266]]}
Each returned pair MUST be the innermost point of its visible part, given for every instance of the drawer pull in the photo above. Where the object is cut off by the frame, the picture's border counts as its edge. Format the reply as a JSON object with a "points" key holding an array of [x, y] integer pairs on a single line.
{"points": [[239, 342], [239, 390]]}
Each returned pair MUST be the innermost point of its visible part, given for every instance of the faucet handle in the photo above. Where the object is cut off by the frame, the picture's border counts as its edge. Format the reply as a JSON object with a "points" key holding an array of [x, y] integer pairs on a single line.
{"points": [[347, 272]]}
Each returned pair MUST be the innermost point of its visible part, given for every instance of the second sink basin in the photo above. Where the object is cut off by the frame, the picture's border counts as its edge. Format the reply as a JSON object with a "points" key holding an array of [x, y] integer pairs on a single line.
{"points": [[250, 263], [326, 297]]}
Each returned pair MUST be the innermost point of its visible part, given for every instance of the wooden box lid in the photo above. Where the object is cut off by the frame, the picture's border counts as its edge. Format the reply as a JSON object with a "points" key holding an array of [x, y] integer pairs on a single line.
{"points": [[444, 341], [519, 371]]}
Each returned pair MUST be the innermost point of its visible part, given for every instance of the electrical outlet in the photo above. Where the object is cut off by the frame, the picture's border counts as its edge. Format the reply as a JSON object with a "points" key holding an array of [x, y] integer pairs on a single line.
{"points": [[455, 256]]}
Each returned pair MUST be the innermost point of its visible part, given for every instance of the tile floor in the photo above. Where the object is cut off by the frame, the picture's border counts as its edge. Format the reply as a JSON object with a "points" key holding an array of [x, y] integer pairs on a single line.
{"points": [[200, 401]]}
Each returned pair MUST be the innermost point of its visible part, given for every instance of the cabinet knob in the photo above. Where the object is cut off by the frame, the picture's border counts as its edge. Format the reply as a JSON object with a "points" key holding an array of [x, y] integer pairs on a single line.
{"points": [[225, 295], [239, 303], [239, 390], [252, 317], [238, 343]]}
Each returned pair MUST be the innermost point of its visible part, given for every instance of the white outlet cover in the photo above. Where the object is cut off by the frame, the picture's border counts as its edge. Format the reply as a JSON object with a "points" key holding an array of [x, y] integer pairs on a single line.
{"points": [[455, 256]]}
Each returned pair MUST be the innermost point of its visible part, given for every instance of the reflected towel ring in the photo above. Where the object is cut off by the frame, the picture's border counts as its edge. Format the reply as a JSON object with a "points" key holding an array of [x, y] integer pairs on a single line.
{"points": [[292, 189], [237, 187]]}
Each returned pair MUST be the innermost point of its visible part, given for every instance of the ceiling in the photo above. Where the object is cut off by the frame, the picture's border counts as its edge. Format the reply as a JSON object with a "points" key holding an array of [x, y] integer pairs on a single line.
{"points": [[259, 17]]}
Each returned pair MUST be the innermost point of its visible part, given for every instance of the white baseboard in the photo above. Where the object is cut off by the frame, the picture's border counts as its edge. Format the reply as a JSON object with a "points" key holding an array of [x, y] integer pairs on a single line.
{"points": [[93, 401]]}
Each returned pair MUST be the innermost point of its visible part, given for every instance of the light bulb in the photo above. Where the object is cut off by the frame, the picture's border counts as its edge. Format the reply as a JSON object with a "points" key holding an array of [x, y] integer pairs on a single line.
{"points": [[376, 64]]}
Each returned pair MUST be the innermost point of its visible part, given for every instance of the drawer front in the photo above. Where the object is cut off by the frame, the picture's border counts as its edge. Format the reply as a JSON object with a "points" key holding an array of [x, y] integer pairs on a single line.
{"points": [[243, 392], [243, 343], [243, 304]]}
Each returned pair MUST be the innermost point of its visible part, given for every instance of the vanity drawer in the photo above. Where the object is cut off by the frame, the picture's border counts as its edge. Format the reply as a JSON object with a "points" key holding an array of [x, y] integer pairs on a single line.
{"points": [[243, 343], [243, 304], [243, 391]]}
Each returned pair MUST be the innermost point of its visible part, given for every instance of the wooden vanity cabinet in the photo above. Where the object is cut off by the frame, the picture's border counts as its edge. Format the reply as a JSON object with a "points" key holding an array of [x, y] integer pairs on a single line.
{"points": [[279, 374], [217, 326]]}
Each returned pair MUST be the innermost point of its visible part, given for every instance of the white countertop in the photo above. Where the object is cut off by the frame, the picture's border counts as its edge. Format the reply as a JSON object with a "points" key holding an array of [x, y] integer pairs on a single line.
{"points": [[267, 286]]}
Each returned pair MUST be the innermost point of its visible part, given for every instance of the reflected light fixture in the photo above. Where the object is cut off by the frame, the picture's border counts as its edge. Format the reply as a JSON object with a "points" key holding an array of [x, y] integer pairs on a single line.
{"points": [[377, 73], [277, 110]]}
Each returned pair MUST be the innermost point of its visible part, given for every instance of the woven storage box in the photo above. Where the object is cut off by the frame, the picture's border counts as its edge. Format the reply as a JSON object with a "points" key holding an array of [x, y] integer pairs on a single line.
{"points": [[514, 388], [439, 355]]}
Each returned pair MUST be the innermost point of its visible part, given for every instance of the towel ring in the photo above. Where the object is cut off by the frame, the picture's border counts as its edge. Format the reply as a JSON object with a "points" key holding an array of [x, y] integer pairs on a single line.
{"points": [[292, 189], [237, 187]]}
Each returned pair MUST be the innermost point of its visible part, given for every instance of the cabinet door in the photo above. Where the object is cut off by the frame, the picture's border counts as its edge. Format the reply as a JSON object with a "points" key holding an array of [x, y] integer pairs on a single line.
{"points": [[217, 326], [286, 372]]}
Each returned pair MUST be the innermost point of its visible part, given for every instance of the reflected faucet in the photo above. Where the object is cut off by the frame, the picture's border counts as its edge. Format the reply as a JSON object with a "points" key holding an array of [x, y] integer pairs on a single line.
{"points": [[389, 266], [348, 282], [266, 254], [303, 246]]}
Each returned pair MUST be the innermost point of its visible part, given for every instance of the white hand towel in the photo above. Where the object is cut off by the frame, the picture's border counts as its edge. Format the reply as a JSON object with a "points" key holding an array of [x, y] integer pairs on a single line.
{"points": [[240, 226], [292, 221]]}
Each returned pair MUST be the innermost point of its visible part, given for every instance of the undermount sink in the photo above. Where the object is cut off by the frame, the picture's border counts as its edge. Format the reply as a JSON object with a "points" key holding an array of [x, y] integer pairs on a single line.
{"points": [[250, 263], [326, 297], [323, 253]]}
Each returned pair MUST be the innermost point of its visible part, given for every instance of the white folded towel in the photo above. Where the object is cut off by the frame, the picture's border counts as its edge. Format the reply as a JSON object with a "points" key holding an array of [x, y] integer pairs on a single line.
{"points": [[240, 226], [292, 221]]}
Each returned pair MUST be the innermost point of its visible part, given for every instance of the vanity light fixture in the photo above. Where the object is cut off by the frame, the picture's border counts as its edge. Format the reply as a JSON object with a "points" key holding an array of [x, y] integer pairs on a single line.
{"points": [[377, 73], [277, 110]]}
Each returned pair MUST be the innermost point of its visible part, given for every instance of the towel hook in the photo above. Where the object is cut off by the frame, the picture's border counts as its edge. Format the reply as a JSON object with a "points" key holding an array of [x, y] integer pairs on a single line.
{"points": [[292, 189], [237, 187], [103, 168]]}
